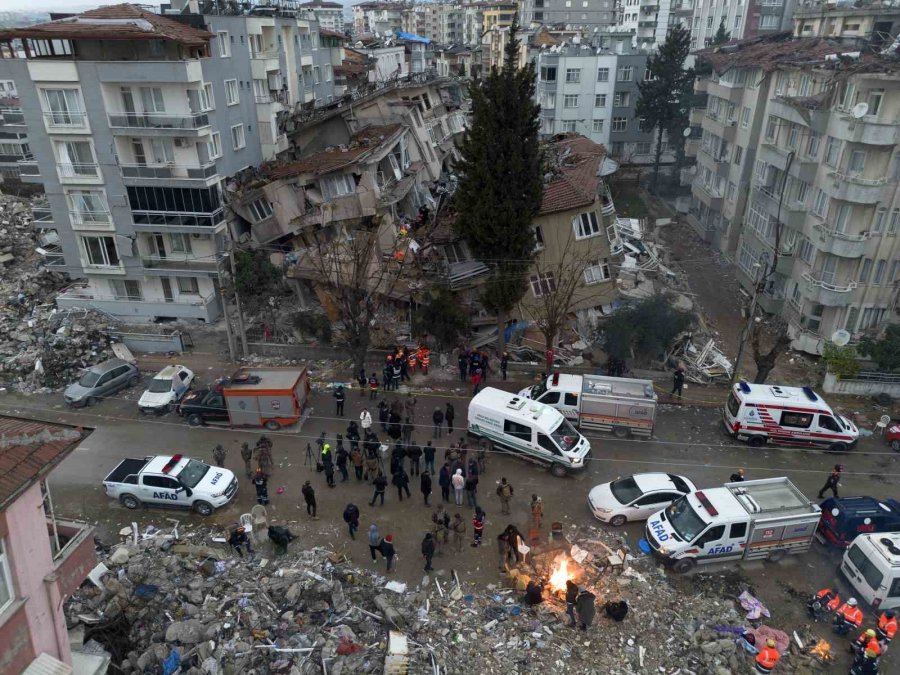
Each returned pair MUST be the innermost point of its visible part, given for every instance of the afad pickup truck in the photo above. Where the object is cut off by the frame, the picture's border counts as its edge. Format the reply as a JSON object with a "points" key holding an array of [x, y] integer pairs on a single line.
{"points": [[171, 480]]}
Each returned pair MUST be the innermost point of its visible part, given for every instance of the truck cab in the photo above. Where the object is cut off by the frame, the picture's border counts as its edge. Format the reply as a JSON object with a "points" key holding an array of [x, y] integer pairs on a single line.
{"points": [[560, 391], [204, 405]]}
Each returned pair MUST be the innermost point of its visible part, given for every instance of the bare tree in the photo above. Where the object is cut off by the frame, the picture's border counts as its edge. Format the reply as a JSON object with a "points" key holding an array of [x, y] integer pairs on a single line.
{"points": [[358, 280], [776, 332], [561, 278]]}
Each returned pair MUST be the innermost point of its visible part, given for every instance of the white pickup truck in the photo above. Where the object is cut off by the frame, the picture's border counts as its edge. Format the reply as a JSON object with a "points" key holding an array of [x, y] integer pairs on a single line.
{"points": [[171, 480]]}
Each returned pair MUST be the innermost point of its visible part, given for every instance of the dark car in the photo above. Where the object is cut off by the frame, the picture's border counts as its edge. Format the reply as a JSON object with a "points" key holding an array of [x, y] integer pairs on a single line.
{"points": [[843, 518]]}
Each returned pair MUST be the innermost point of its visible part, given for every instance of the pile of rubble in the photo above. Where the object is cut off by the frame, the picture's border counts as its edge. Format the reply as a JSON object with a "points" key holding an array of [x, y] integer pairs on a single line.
{"points": [[41, 348], [163, 600]]}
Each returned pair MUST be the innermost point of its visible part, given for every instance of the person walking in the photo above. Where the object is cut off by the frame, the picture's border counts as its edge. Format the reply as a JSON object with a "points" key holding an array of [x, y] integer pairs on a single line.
{"points": [[459, 531], [471, 487], [264, 455], [504, 364], [247, 456], [328, 463], [365, 420], [371, 459], [476, 382], [767, 657], [374, 541], [383, 414], [380, 484], [445, 481], [351, 517], [339, 396], [356, 459], [237, 539], [388, 550], [449, 415], [425, 487], [440, 525], [505, 492], [833, 481], [537, 512], [407, 430], [414, 452], [738, 476], [463, 362], [571, 597], [409, 406], [459, 484], [309, 496], [261, 482], [373, 387], [362, 380], [678, 381], [396, 372], [585, 608], [387, 374], [343, 460], [478, 525], [429, 457], [401, 480], [437, 417], [428, 551], [219, 455]]}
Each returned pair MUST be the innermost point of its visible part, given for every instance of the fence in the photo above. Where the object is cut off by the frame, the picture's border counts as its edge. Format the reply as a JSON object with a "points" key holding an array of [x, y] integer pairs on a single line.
{"points": [[153, 342], [864, 383]]}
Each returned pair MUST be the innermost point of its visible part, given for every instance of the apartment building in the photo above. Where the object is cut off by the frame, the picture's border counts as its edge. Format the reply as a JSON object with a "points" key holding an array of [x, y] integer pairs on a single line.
{"points": [[583, 15], [681, 13], [134, 121], [742, 19], [13, 137], [646, 20], [370, 18], [821, 221], [329, 15], [874, 24]]}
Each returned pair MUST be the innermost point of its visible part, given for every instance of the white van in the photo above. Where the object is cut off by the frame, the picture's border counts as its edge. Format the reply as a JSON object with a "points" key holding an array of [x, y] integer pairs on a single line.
{"points": [[765, 413], [532, 430], [872, 566]]}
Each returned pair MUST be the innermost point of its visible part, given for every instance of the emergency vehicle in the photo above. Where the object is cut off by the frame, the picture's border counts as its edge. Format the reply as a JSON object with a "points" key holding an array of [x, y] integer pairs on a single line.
{"points": [[872, 566], [764, 413]]}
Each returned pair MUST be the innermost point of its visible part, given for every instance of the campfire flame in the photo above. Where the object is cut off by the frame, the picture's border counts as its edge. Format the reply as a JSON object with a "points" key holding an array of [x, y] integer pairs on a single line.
{"points": [[560, 575], [822, 650]]}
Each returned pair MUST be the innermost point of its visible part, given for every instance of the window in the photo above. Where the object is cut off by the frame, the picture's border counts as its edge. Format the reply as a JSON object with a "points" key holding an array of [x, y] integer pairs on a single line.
{"points": [[7, 592], [602, 74], [237, 137], [76, 158], [709, 21], [878, 277], [188, 286], [895, 222], [871, 317], [224, 46], [832, 152], [337, 185], [586, 225], [812, 144], [865, 271], [713, 534], [573, 75], [878, 222], [625, 74], [737, 530], [597, 271], [180, 243], [64, 107], [214, 147], [866, 567], [805, 250], [126, 289], [570, 399], [745, 117], [771, 128], [842, 217], [737, 22], [328, 73], [260, 209], [619, 124], [538, 238], [548, 73], [88, 206], [874, 100], [732, 191], [857, 163], [543, 284], [316, 74], [599, 100], [738, 154], [796, 420], [769, 21], [207, 102], [570, 100], [793, 136], [820, 205], [232, 96], [621, 99], [598, 126], [547, 444], [895, 269], [642, 148], [802, 192], [100, 251], [567, 125]]}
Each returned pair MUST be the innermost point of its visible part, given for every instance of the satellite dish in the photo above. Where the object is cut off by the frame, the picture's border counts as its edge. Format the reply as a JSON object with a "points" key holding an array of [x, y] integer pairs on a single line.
{"points": [[860, 110], [840, 337], [686, 132]]}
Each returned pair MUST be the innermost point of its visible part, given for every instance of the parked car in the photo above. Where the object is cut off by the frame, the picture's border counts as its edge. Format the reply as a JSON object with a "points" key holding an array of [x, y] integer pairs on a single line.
{"points": [[636, 497], [892, 436], [102, 379], [166, 388], [843, 518]]}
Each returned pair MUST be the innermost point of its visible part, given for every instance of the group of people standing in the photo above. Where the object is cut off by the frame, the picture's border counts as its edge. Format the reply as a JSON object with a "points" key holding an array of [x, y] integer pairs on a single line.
{"points": [[475, 365]]}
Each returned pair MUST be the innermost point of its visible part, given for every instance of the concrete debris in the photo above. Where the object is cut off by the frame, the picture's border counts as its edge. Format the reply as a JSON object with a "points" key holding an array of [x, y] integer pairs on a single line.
{"points": [[311, 611], [704, 363]]}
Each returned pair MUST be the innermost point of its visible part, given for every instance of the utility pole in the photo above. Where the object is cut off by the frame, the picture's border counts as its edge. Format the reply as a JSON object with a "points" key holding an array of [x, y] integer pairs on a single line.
{"points": [[232, 350], [242, 333], [746, 332]]}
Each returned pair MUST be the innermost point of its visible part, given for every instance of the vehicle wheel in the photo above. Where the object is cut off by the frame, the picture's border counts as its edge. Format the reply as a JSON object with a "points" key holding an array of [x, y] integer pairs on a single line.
{"points": [[837, 447], [558, 470], [130, 502], [776, 555], [203, 508], [683, 565], [621, 432], [134, 380], [895, 445], [756, 441], [91, 401], [618, 521], [195, 420], [272, 425]]}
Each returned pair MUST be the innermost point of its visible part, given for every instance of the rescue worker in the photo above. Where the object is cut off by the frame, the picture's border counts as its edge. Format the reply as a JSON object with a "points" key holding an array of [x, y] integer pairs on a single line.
{"points": [[373, 387], [239, 538], [247, 456], [261, 482], [767, 657], [832, 482], [424, 358], [865, 664], [537, 512], [867, 641], [887, 628], [847, 617], [825, 600], [411, 361], [478, 526], [219, 455]]}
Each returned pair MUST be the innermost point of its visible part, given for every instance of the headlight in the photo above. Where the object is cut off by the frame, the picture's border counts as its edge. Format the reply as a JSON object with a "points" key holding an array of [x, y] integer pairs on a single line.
{"points": [[664, 550], [216, 495], [600, 510]]}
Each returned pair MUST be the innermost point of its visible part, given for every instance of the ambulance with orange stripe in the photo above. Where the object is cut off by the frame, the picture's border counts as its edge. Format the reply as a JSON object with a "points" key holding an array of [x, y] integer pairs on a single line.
{"points": [[764, 413], [755, 519]]}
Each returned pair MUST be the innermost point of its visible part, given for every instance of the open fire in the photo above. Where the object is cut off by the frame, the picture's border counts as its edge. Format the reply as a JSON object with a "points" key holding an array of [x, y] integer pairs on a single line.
{"points": [[560, 574]]}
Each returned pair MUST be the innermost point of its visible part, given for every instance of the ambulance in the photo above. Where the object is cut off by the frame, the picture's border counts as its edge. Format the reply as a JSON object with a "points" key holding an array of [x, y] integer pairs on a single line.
{"points": [[765, 413]]}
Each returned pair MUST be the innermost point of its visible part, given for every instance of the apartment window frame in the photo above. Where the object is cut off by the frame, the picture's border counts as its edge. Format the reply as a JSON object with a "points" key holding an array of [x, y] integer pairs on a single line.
{"points": [[214, 146], [599, 100], [865, 270], [337, 185], [894, 223], [224, 44], [187, 285], [597, 272], [813, 143], [129, 290], [538, 237], [602, 74], [180, 243], [625, 74], [832, 152], [820, 203], [586, 225], [597, 126], [856, 164], [621, 99], [73, 116], [879, 219], [548, 73], [542, 284], [619, 125], [878, 273], [745, 117], [232, 93], [7, 587], [570, 100], [260, 208], [238, 137], [76, 198], [207, 97], [738, 154], [573, 75], [109, 252]]}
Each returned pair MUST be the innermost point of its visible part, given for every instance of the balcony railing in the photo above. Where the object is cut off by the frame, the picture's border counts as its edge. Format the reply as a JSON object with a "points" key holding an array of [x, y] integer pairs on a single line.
{"points": [[12, 116], [66, 119], [80, 293], [158, 121], [174, 265], [29, 167], [177, 220], [268, 54], [828, 286], [90, 217], [859, 180], [78, 170], [169, 171]]}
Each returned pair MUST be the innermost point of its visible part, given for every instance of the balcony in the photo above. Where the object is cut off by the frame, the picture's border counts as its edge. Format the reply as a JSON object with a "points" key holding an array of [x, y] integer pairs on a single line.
{"points": [[12, 117], [701, 85], [72, 545], [123, 124], [178, 174], [202, 307], [140, 72], [792, 214], [785, 264], [840, 243], [28, 167], [708, 195], [866, 130], [721, 127], [828, 293], [696, 115], [771, 302], [156, 266], [78, 172], [854, 188], [174, 221]]}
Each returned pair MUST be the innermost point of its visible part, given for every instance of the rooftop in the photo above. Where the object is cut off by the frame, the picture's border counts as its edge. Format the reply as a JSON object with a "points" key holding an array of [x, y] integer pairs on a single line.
{"points": [[332, 33], [768, 52], [115, 22], [322, 3], [29, 451], [575, 173]]}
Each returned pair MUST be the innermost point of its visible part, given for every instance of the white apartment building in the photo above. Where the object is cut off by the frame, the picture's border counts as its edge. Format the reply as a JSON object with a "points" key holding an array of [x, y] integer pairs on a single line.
{"points": [[134, 122], [382, 18], [329, 15], [646, 20], [741, 18]]}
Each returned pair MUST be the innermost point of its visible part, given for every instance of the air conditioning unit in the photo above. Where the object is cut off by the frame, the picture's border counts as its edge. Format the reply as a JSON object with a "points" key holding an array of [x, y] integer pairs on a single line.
{"points": [[182, 142]]}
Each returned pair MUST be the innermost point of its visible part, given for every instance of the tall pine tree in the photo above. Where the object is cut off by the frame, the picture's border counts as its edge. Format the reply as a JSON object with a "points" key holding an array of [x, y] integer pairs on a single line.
{"points": [[664, 98], [500, 180]]}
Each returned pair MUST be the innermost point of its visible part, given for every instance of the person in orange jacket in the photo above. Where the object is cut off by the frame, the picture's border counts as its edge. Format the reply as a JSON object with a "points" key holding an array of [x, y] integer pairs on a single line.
{"points": [[824, 600], [868, 640], [849, 615], [422, 355], [887, 628], [767, 658]]}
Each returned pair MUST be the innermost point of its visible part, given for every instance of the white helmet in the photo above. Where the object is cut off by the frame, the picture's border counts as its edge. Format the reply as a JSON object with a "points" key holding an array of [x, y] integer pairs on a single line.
{"points": [[852, 602]]}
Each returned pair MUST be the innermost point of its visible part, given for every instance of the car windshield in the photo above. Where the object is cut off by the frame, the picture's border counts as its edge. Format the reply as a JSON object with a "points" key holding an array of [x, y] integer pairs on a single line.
{"points": [[89, 379], [192, 473], [160, 386], [679, 483], [685, 521], [565, 436], [625, 490], [538, 390]]}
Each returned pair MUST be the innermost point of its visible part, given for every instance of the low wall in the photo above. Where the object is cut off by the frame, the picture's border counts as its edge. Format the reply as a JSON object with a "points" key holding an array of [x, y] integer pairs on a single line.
{"points": [[862, 387]]}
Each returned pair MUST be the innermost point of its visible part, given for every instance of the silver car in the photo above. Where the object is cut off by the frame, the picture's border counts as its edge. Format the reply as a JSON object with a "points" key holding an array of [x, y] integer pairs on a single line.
{"points": [[103, 379]]}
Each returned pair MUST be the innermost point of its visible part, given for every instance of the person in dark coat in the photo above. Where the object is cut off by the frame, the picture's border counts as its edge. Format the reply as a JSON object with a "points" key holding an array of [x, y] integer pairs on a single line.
{"points": [[362, 379], [534, 593], [280, 536], [429, 457], [678, 381], [444, 481], [428, 551], [351, 517], [425, 487], [437, 417], [343, 458], [414, 452], [449, 415], [383, 412], [463, 362], [401, 480], [395, 428], [309, 495], [353, 434], [833, 480], [504, 364], [380, 484], [239, 538], [584, 607], [471, 487], [339, 396], [738, 477], [374, 540], [407, 430], [388, 551], [398, 454], [261, 482], [571, 597]]}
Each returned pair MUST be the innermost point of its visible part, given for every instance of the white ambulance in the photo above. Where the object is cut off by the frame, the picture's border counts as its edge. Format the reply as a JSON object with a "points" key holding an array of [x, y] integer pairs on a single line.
{"points": [[765, 413], [872, 566]]}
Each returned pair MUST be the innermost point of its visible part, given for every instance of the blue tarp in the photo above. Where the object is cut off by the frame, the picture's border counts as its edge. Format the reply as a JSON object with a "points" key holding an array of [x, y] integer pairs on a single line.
{"points": [[412, 37]]}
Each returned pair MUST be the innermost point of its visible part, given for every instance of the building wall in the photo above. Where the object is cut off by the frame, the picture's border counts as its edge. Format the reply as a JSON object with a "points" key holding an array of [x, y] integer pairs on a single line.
{"points": [[577, 14], [742, 20]]}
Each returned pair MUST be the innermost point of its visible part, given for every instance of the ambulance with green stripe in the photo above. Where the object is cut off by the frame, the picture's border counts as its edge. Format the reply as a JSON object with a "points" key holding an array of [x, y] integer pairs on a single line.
{"points": [[533, 431]]}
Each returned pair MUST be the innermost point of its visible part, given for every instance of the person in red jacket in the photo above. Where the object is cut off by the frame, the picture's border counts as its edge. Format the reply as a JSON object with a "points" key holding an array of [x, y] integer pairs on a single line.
{"points": [[850, 614], [476, 381], [887, 628], [867, 641], [767, 658]]}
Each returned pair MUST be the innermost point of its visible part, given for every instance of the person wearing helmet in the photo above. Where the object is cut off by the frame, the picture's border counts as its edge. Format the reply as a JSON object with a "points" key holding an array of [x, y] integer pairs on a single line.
{"points": [[767, 657], [887, 628], [832, 482], [239, 538], [847, 617], [865, 663], [866, 641]]}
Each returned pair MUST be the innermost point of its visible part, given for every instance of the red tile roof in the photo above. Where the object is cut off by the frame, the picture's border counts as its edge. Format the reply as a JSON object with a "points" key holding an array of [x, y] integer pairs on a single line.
{"points": [[361, 143], [114, 22], [333, 33], [29, 450], [768, 52], [575, 163]]}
